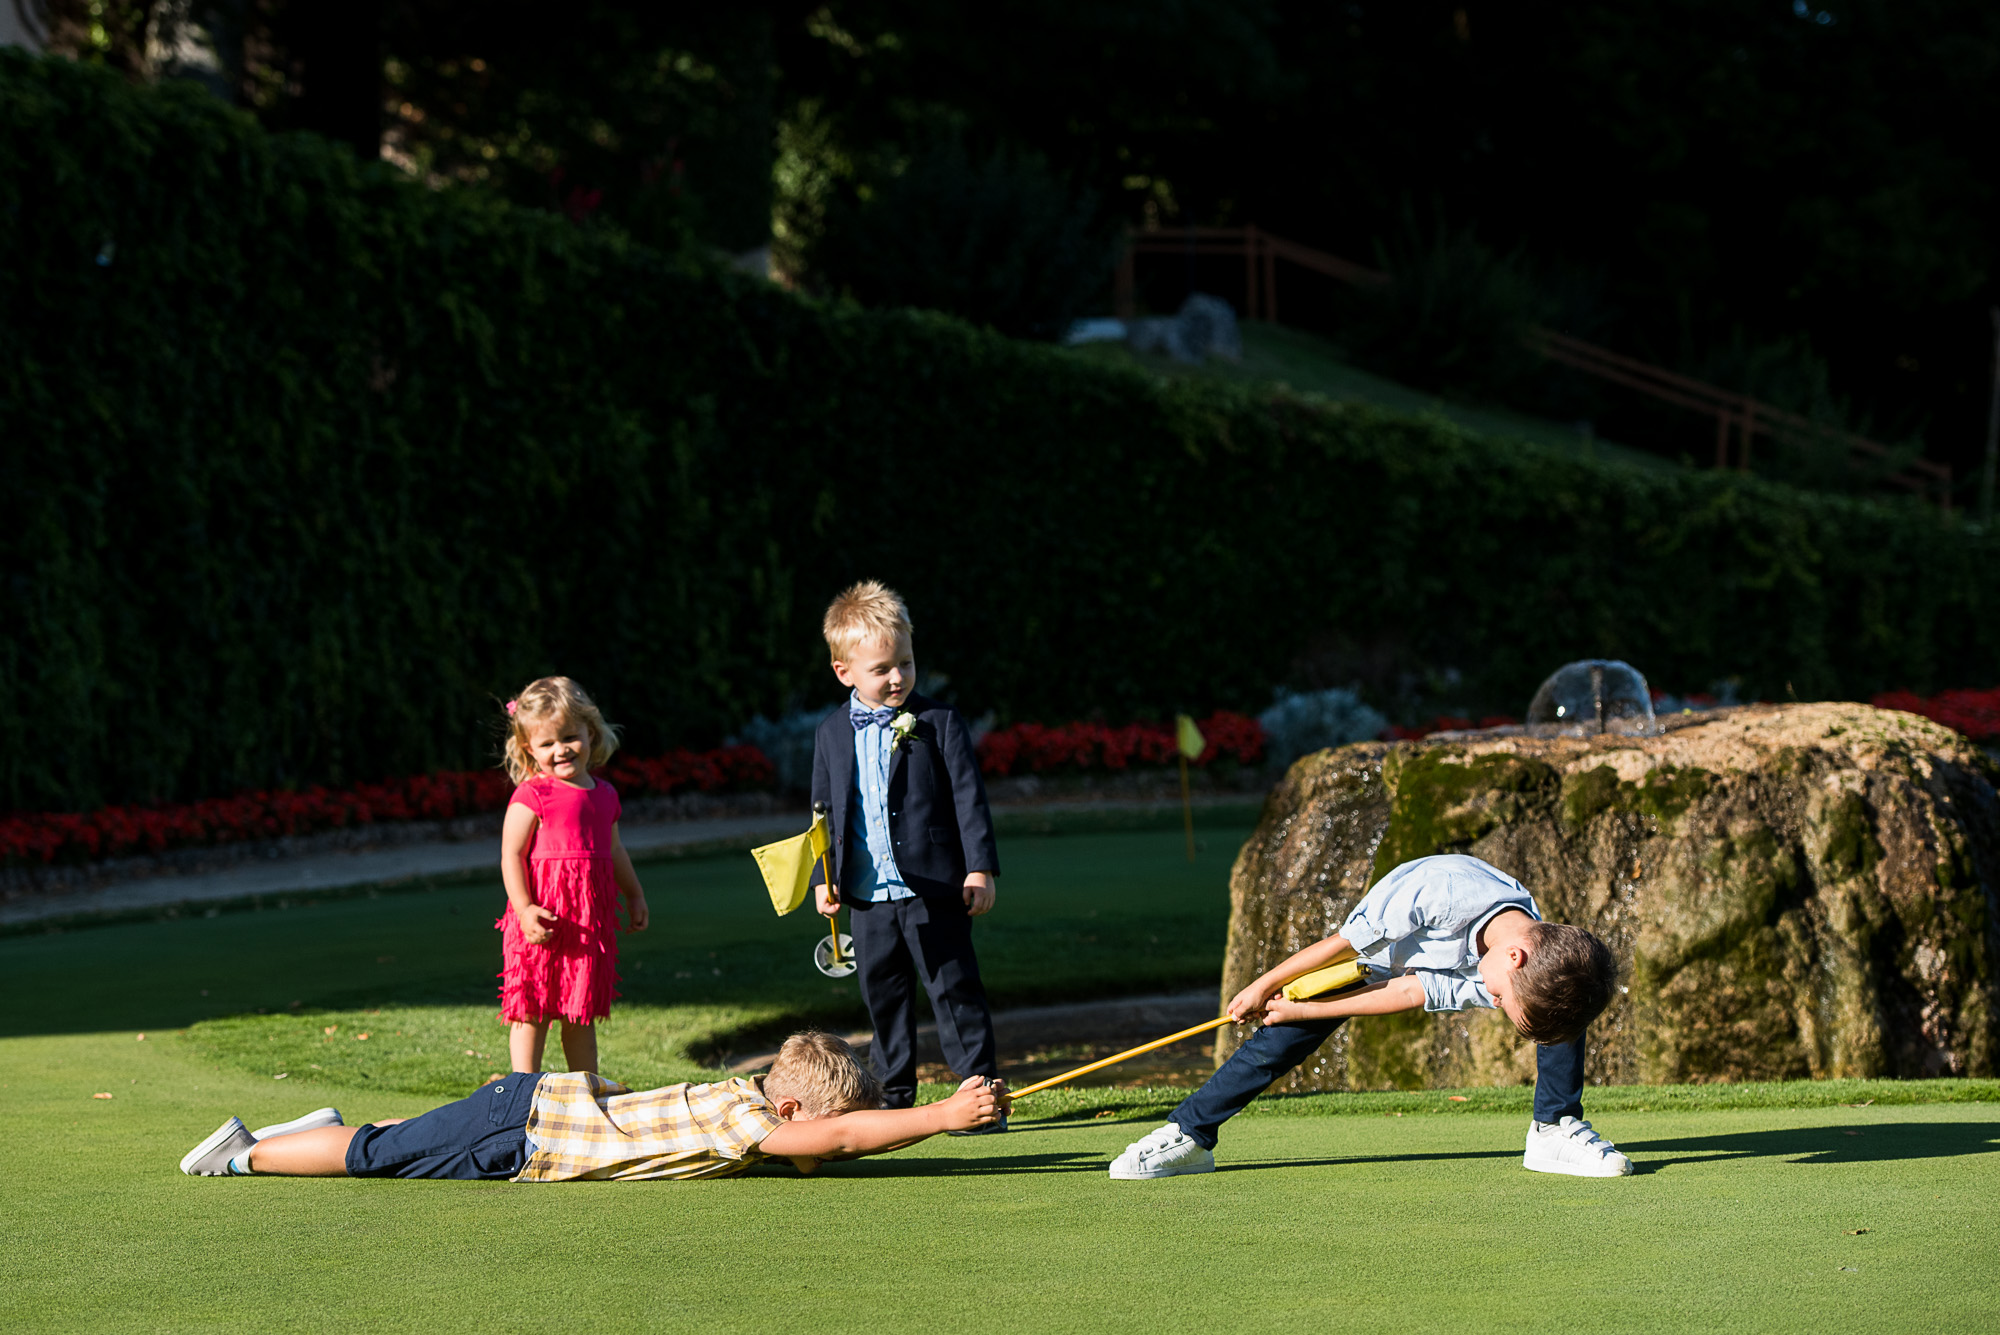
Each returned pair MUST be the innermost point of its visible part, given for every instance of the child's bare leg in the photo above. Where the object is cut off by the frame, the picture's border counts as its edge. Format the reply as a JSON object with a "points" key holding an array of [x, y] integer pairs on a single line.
{"points": [[525, 1043], [321, 1152], [580, 1045]]}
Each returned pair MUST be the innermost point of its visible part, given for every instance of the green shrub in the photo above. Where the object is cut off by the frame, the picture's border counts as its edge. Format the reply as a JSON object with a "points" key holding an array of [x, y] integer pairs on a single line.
{"points": [[998, 240], [308, 467]]}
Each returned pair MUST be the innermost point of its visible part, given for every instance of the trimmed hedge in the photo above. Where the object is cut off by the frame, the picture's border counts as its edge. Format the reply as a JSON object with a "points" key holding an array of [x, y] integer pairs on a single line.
{"points": [[307, 467]]}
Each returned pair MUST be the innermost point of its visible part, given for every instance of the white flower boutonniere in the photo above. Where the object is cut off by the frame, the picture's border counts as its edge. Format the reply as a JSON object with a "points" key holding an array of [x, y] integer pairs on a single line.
{"points": [[903, 728]]}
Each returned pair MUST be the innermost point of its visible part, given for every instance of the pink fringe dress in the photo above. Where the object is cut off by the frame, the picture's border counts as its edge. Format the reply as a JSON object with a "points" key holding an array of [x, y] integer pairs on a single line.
{"points": [[574, 975]]}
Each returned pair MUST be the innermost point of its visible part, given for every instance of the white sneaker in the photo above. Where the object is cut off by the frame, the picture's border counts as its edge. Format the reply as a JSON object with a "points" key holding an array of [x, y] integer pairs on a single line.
{"points": [[211, 1157], [1571, 1147], [1162, 1153], [312, 1121]]}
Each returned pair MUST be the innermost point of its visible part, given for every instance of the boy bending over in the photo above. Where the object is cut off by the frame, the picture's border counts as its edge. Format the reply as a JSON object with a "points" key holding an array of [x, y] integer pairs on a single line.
{"points": [[817, 1103], [1440, 934]]}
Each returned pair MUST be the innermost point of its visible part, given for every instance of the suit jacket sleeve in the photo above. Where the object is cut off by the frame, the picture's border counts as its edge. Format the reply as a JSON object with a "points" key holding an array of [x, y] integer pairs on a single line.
{"points": [[968, 793], [822, 791]]}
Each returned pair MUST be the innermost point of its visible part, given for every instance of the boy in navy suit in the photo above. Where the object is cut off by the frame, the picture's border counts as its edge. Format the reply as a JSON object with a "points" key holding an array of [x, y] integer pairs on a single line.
{"points": [[913, 854]]}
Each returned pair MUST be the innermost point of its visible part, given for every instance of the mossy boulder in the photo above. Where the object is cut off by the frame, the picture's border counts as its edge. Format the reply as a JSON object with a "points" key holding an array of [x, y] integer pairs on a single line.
{"points": [[1795, 891]]}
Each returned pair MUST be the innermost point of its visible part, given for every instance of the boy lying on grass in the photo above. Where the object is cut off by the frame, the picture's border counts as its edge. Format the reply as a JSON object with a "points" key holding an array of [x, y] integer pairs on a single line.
{"points": [[1437, 934], [817, 1103]]}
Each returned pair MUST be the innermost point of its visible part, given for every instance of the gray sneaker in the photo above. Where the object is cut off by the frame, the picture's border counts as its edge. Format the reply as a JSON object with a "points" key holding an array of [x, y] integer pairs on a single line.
{"points": [[1570, 1147], [211, 1157], [312, 1121], [1162, 1153]]}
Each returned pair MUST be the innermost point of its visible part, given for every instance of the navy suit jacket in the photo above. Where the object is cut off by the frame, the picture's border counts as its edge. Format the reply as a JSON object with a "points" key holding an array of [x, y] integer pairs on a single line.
{"points": [[938, 820]]}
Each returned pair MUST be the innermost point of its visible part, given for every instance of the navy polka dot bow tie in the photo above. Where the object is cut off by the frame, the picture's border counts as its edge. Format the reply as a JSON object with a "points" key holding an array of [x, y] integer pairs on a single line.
{"points": [[862, 718]]}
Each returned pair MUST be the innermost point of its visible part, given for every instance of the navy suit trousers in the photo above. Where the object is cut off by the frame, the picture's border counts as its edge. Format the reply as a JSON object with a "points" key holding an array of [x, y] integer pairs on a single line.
{"points": [[1277, 1048], [897, 941]]}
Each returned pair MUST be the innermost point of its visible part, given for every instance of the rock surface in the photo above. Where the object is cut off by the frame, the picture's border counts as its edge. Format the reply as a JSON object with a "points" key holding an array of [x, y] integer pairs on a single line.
{"points": [[1792, 891]]}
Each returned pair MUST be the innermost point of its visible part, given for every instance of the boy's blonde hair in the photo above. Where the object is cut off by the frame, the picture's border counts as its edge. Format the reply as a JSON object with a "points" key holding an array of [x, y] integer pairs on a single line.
{"points": [[823, 1074], [553, 698], [869, 611]]}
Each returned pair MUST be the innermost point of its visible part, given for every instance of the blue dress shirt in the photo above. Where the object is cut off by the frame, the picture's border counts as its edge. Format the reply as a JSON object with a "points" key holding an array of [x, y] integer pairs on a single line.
{"points": [[871, 864], [1424, 918]]}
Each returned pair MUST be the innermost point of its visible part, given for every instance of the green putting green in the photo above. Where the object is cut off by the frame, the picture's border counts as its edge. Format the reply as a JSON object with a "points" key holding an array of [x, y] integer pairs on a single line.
{"points": [[1755, 1208], [293, 985]]}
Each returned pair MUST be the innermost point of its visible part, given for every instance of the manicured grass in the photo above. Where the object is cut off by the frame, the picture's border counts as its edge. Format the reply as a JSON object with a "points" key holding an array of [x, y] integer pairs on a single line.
{"points": [[1740, 1219], [1081, 915], [1274, 354], [1757, 1207]]}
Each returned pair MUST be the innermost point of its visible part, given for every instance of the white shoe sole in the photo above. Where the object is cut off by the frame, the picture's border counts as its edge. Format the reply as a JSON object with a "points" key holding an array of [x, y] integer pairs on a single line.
{"points": [[220, 1134], [312, 1121], [1568, 1169], [1169, 1170]]}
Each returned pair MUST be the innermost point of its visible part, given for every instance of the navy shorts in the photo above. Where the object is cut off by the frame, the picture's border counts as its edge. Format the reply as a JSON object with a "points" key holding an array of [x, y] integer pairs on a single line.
{"points": [[484, 1135]]}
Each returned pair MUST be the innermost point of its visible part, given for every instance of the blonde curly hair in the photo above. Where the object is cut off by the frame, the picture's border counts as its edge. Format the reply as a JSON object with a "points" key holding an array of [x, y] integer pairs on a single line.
{"points": [[553, 698]]}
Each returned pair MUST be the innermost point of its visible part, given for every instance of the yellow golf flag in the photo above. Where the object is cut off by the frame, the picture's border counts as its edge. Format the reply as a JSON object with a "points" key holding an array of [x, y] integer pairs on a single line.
{"points": [[788, 866], [1336, 977], [1192, 743]]}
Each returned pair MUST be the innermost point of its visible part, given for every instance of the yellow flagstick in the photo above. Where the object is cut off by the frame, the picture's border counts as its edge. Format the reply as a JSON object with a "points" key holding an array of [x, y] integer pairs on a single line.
{"points": [[820, 809], [1187, 809], [1343, 975], [1134, 1052], [1190, 743]]}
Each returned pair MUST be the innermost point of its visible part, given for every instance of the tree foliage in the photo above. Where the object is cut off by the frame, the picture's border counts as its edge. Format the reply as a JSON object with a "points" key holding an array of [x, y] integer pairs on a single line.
{"points": [[309, 466]]}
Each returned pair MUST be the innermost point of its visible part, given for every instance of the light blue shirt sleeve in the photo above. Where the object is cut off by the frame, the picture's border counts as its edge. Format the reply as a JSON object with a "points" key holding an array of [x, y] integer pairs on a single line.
{"points": [[1452, 991]]}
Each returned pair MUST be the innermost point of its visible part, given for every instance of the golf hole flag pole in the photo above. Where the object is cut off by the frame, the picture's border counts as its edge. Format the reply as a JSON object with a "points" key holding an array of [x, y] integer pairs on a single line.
{"points": [[787, 868], [1343, 975], [1191, 744]]}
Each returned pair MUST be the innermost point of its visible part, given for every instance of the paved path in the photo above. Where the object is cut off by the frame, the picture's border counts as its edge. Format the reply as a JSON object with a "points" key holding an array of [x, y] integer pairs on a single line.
{"points": [[323, 872], [339, 872]]}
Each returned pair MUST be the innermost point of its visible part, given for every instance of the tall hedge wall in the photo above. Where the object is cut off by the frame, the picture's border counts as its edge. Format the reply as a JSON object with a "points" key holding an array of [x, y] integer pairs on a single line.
{"points": [[306, 466]]}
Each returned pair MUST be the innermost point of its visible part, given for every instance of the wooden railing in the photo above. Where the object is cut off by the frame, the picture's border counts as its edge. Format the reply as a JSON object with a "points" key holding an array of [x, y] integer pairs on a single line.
{"points": [[1739, 419]]}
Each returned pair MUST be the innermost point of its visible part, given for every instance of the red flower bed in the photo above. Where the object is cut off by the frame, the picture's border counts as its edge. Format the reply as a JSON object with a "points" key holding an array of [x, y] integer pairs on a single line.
{"points": [[1443, 723], [1035, 748], [45, 837], [1974, 713]]}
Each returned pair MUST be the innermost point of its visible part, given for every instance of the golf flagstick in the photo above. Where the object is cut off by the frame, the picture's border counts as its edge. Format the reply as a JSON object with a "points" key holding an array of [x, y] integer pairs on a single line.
{"points": [[821, 809], [1111, 1061], [1343, 975], [1191, 744]]}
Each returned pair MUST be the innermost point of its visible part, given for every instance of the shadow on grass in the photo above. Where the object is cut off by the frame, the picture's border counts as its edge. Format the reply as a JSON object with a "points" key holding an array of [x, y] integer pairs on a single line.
{"points": [[1868, 1143], [1015, 1164]]}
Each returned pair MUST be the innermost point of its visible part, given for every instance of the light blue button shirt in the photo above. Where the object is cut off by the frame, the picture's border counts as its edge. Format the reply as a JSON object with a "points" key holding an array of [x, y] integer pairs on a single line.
{"points": [[1424, 918], [871, 858]]}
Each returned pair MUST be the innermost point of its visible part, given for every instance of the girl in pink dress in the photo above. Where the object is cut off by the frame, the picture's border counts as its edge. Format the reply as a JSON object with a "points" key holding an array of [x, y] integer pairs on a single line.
{"points": [[564, 866]]}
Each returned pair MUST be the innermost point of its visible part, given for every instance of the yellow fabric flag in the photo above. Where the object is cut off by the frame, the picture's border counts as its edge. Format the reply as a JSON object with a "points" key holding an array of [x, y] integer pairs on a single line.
{"points": [[1338, 977], [1192, 743], [788, 866]]}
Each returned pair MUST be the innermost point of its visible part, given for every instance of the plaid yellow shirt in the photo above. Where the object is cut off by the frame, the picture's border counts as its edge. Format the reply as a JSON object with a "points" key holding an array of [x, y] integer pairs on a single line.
{"points": [[584, 1126]]}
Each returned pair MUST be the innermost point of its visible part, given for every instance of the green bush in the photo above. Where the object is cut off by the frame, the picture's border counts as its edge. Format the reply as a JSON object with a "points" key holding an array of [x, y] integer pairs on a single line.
{"points": [[999, 240], [308, 467]]}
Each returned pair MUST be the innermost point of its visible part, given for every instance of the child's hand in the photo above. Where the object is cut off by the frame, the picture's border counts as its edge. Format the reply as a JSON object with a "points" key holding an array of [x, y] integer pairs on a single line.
{"points": [[1250, 1002], [826, 898], [1283, 1010], [537, 924], [637, 912], [980, 888], [976, 1104]]}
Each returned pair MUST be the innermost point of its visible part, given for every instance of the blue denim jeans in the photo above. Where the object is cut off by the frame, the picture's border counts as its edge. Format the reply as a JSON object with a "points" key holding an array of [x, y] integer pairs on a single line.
{"points": [[1277, 1048]]}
